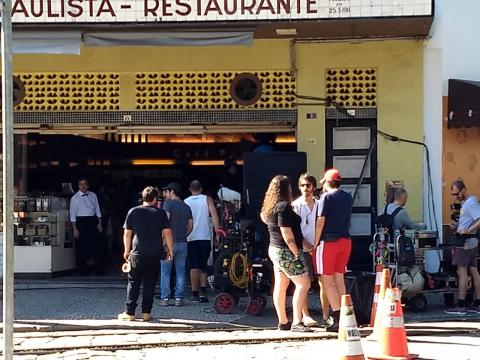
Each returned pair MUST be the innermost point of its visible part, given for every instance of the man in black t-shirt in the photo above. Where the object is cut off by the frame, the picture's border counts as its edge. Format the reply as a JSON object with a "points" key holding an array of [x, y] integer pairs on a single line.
{"points": [[147, 232], [333, 250]]}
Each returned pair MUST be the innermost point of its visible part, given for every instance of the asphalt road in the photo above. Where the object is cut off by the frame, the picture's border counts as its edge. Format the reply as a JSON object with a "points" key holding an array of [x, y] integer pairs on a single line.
{"points": [[73, 300], [60, 299]]}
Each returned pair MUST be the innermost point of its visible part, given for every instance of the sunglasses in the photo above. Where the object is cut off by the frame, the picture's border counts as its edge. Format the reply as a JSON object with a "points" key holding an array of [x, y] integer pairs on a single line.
{"points": [[306, 185]]}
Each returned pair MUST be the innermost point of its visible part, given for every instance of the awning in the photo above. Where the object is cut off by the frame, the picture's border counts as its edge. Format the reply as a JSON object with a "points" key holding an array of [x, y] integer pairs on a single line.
{"points": [[47, 42], [463, 103], [169, 38]]}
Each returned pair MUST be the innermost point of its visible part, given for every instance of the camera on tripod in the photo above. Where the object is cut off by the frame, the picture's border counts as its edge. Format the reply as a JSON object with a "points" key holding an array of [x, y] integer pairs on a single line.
{"points": [[455, 209]]}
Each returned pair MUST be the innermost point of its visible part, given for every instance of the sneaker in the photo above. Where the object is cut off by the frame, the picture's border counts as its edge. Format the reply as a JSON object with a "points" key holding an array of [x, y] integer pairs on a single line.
{"points": [[284, 327], [328, 322], [203, 299], [165, 302], [457, 310], [125, 317], [474, 309], [195, 298], [332, 328], [146, 317], [309, 321], [179, 302], [300, 327]]}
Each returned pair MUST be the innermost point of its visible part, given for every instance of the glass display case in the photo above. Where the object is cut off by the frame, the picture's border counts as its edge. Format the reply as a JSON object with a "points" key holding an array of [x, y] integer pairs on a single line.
{"points": [[43, 236]]}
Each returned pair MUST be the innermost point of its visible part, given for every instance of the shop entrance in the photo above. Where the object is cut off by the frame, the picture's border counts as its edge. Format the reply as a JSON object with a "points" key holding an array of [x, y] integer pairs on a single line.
{"points": [[348, 143], [120, 166]]}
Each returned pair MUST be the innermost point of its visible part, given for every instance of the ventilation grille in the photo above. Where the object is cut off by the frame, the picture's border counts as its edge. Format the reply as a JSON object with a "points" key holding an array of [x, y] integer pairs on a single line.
{"points": [[352, 88], [70, 92], [209, 91], [357, 113], [126, 118]]}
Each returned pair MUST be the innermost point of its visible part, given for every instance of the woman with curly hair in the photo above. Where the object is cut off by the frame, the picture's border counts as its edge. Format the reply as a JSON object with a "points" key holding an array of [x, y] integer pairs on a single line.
{"points": [[285, 251]]}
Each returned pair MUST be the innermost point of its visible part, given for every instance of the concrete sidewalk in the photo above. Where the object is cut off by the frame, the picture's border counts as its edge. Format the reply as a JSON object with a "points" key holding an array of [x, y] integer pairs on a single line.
{"points": [[114, 340]]}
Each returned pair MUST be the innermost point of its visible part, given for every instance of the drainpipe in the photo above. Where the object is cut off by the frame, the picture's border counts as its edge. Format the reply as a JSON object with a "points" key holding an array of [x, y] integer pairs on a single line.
{"points": [[8, 169]]}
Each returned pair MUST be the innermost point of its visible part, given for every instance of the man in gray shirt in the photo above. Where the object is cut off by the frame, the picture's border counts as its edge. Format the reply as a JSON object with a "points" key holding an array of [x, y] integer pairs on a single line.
{"points": [[465, 257], [181, 223], [401, 219]]}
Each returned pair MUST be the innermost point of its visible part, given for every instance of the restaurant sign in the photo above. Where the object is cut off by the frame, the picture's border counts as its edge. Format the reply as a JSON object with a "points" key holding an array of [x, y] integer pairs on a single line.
{"points": [[145, 11]]}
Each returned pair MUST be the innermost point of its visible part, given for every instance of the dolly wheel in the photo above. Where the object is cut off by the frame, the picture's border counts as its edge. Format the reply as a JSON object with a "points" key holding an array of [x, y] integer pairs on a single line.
{"points": [[224, 303], [255, 307], [418, 303]]}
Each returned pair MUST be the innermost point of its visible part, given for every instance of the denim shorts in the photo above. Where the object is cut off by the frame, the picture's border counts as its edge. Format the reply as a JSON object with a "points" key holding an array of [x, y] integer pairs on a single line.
{"points": [[282, 259], [465, 257]]}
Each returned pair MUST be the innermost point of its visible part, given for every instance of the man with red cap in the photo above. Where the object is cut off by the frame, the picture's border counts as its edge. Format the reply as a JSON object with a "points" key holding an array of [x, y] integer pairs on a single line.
{"points": [[334, 246]]}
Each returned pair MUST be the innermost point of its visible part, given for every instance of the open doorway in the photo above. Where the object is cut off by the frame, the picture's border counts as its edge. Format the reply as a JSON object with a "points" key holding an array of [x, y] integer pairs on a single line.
{"points": [[120, 166]]}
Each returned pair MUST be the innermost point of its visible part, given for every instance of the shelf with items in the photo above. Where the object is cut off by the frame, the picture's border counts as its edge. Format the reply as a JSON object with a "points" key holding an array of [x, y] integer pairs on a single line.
{"points": [[43, 235], [36, 228]]}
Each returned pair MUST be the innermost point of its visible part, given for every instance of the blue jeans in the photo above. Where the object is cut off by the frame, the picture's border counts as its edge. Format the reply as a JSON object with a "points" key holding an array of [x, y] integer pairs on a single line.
{"points": [[179, 259]]}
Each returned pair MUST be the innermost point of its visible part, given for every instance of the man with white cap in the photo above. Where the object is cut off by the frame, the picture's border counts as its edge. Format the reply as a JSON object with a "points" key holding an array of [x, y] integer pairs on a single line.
{"points": [[334, 245]]}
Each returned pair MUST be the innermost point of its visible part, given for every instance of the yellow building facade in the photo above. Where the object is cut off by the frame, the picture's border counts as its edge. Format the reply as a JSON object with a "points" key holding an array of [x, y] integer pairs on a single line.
{"points": [[304, 66], [157, 91]]}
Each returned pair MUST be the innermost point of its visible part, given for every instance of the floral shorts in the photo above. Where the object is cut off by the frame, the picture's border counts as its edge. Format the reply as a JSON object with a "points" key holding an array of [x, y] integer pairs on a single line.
{"points": [[283, 260]]}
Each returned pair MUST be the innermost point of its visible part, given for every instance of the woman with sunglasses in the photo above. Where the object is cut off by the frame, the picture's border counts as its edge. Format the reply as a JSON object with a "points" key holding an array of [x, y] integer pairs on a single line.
{"points": [[285, 252]]}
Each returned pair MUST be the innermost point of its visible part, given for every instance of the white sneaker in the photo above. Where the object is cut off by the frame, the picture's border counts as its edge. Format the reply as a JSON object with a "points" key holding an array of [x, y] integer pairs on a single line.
{"points": [[308, 321], [125, 317]]}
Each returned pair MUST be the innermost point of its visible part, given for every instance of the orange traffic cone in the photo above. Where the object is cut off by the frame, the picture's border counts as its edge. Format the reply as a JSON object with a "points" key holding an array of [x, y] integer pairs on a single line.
{"points": [[392, 336], [376, 290], [348, 333], [384, 284]]}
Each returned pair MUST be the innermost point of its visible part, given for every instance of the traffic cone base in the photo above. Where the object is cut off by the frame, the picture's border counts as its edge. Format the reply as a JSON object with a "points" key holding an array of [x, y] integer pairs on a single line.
{"points": [[348, 333], [385, 357]]}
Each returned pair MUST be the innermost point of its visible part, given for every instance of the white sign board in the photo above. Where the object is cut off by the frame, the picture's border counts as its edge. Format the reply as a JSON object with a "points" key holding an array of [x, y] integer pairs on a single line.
{"points": [[161, 11]]}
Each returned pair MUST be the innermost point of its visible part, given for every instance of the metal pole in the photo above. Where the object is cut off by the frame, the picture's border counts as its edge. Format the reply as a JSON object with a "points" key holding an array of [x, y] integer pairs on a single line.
{"points": [[7, 132]]}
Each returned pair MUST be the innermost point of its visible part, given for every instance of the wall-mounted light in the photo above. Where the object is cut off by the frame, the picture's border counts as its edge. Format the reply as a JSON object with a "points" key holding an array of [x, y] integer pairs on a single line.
{"points": [[207, 162], [211, 162], [144, 162]]}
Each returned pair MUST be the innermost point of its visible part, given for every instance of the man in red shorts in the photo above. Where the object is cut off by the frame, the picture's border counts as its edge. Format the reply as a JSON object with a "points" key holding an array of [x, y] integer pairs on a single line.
{"points": [[333, 250]]}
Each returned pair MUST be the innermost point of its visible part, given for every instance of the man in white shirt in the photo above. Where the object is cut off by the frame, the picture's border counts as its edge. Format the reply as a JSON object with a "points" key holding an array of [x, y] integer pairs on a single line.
{"points": [[306, 206], [86, 217], [466, 249], [199, 242]]}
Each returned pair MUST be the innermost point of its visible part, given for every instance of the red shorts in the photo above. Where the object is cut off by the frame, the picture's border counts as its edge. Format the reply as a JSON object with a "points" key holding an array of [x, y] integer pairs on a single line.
{"points": [[332, 257]]}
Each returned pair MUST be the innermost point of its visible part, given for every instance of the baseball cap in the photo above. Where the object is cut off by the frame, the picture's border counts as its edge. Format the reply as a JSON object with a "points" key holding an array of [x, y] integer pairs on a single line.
{"points": [[331, 174], [173, 186]]}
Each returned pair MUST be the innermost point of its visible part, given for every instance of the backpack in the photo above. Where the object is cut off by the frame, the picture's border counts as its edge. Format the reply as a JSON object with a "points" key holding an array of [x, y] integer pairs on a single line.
{"points": [[405, 251], [385, 221]]}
